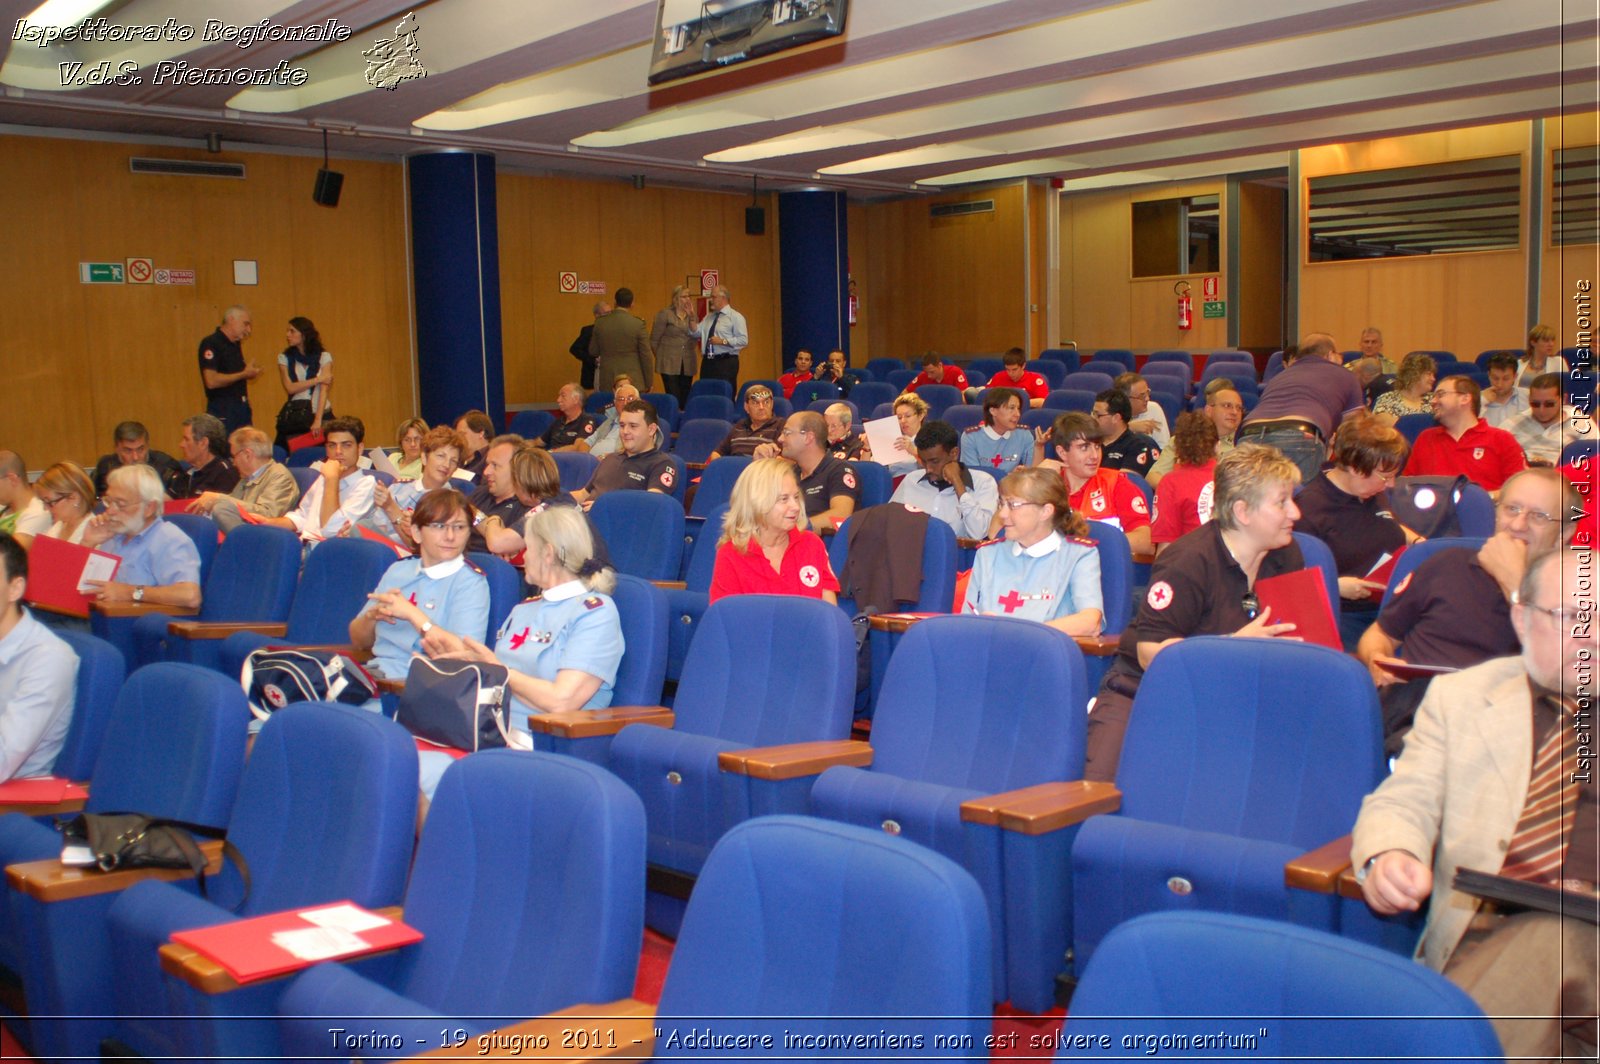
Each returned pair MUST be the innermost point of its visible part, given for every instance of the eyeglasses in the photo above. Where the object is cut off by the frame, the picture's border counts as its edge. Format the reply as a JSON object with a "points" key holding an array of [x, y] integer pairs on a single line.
{"points": [[1512, 511], [454, 527], [1251, 605], [120, 504], [51, 500], [1017, 504], [1558, 614]]}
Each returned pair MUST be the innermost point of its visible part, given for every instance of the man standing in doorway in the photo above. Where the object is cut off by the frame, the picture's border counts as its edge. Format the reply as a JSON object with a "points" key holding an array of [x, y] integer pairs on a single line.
{"points": [[723, 334], [224, 372]]}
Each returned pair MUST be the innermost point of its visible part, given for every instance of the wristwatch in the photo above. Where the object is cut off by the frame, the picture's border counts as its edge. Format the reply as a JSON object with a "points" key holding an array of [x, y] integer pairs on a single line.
{"points": [[1365, 870], [138, 593], [427, 626]]}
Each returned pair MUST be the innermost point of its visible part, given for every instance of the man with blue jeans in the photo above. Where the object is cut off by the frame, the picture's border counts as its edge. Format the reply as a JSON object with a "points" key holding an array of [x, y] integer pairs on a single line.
{"points": [[1302, 406]]}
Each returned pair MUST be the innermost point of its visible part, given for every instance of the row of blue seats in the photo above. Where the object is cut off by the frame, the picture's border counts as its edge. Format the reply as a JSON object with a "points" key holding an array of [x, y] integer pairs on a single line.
{"points": [[910, 930], [1296, 738]]}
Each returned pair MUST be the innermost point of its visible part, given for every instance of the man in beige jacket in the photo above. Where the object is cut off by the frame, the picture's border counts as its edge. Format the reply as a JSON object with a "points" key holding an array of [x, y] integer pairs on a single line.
{"points": [[1485, 784], [266, 488]]}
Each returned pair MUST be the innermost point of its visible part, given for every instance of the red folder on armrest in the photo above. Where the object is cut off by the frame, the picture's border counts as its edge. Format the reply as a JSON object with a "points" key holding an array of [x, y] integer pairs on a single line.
{"points": [[1301, 598], [246, 949], [39, 790], [55, 568]]}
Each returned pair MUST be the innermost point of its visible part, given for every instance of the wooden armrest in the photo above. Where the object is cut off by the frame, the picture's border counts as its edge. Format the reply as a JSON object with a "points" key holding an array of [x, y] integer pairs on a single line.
{"points": [[1318, 871], [969, 544], [389, 685], [139, 609], [353, 652], [794, 760], [209, 977], [1347, 887], [61, 808], [223, 629], [50, 881], [1144, 559], [696, 466], [891, 622], [622, 1030], [588, 723], [1099, 646], [671, 585], [1044, 807]]}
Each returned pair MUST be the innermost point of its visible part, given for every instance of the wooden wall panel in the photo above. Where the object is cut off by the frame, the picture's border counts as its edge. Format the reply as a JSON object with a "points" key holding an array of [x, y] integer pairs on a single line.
{"points": [[1563, 267], [86, 356], [954, 285], [645, 239], [1103, 305], [861, 350], [1260, 299], [1464, 303]]}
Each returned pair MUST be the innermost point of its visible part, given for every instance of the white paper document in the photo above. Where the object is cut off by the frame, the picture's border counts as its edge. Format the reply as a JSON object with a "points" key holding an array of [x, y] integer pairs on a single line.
{"points": [[98, 567], [317, 943], [881, 437], [344, 918]]}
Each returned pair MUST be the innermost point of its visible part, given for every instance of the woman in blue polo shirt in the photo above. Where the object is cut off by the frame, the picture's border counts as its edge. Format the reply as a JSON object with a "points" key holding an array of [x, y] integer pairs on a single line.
{"points": [[562, 648], [421, 600]]}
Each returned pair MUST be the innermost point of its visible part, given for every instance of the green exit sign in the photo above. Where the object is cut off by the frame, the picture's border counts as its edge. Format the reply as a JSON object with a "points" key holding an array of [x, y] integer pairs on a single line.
{"points": [[1214, 308], [100, 272]]}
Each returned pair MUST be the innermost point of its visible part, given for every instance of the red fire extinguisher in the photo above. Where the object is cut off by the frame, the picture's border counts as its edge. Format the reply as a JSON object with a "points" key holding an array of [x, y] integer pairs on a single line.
{"points": [[1185, 306]]}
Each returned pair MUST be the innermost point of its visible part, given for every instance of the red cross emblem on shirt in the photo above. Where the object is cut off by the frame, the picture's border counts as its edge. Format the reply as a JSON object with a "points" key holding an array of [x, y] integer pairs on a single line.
{"points": [[1158, 595], [995, 461], [1012, 601], [519, 639], [413, 598]]}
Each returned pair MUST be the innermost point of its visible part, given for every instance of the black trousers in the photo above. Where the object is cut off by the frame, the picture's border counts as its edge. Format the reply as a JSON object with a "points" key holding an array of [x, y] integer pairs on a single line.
{"points": [[725, 368]]}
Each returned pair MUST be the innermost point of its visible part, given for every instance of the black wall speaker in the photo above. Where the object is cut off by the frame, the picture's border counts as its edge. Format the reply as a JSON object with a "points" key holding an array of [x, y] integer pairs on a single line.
{"points": [[326, 192], [755, 221]]}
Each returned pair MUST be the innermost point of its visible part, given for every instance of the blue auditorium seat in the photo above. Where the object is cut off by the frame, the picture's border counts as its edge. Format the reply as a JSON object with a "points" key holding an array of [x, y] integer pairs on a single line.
{"points": [[973, 707], [519, 829], [643, 531]]}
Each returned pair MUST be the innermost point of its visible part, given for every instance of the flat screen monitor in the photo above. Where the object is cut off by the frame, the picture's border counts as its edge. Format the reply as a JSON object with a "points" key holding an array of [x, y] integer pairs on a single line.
{"points": [[693, 36]]}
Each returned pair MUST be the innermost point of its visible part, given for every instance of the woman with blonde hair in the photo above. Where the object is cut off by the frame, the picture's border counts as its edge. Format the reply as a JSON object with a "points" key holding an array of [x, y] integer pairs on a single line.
{"points": [[1412, 389], [561, 649], [910, 410], [68, 495], [1541, 356], [1204, 584], [674, 337], [765, 547], [1045, 561]]}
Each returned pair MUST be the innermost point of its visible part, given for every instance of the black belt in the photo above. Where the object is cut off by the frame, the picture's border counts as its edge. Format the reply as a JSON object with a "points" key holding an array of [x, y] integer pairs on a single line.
{"points": [[1299, 423], [709, 357]]}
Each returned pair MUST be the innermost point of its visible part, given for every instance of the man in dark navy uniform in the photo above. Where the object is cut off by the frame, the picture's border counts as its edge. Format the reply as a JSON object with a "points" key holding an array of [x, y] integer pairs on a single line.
{"points": [[224, 372], [639, 465], [828, 485]]}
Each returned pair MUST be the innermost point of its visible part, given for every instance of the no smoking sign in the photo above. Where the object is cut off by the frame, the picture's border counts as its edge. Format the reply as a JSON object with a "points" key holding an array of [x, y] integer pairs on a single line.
{"points": [[141, 271], [567, 281]]}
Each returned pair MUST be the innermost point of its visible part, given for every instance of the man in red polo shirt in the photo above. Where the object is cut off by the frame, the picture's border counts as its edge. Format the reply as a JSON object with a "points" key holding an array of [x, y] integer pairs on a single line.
{"points": [[798, 375], [1461, 443], [934, 371], [1017, 375], [1099, 494]]}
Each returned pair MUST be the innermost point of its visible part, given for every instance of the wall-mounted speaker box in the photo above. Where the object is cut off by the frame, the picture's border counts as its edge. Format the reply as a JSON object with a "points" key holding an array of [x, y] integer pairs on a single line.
{"points": [[755, 221], [326, 192]]}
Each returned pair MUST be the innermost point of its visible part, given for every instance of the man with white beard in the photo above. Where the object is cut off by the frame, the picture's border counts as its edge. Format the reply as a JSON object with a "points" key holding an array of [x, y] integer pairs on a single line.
{"points": [[160, 564]]}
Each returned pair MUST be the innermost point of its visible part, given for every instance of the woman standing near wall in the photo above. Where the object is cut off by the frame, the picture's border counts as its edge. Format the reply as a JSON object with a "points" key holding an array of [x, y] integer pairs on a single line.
{"points": [[674, 337], [306, 370]]}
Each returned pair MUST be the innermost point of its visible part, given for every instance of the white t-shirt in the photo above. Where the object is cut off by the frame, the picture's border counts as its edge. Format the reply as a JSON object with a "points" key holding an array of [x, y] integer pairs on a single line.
{"points": [[33, 519], [298, 372]]}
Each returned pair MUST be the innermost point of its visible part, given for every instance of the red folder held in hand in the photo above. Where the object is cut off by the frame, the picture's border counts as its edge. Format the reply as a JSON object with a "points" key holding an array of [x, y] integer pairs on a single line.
{"points": [[55, 568], [1301, 598]]}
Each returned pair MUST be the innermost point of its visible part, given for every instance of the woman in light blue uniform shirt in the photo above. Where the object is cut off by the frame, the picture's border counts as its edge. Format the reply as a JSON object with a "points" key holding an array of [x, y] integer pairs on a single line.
{"points": [[422, 600], [563, 648], [1044, 570]]}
